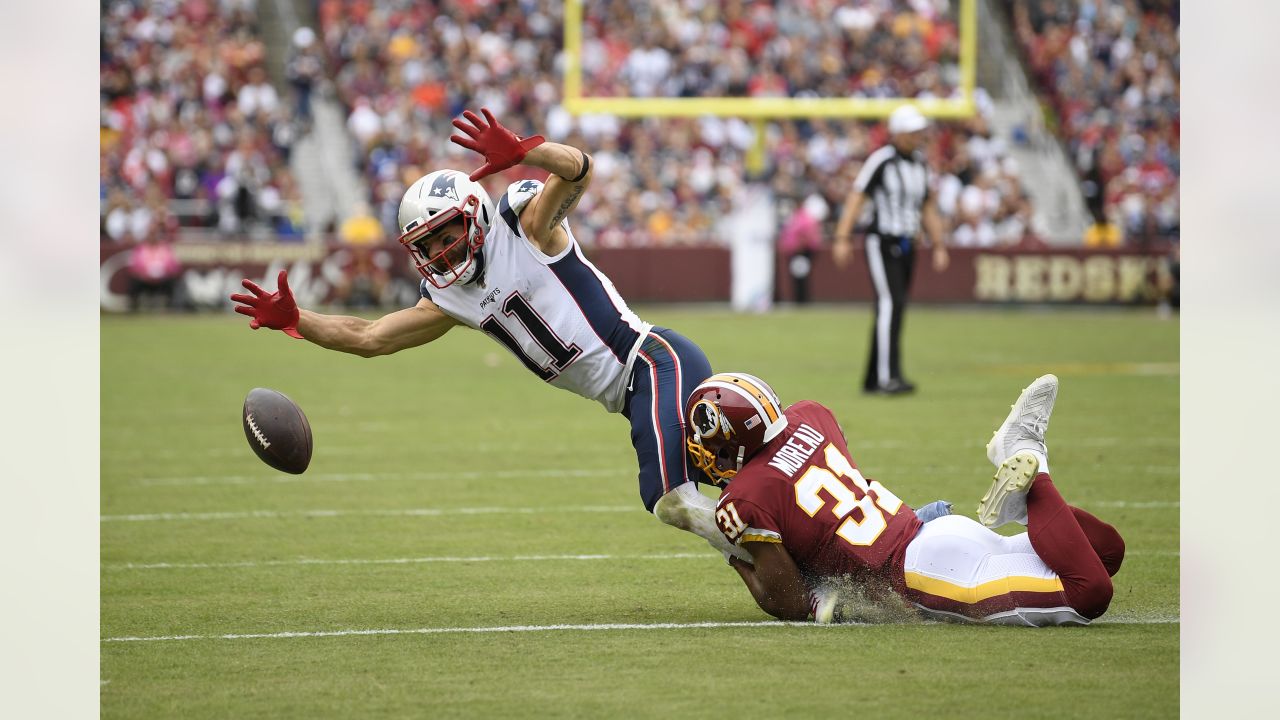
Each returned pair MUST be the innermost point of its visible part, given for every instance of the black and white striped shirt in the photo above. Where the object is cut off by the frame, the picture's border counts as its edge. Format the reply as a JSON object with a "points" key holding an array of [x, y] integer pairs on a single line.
{"points": [[897, 186]]}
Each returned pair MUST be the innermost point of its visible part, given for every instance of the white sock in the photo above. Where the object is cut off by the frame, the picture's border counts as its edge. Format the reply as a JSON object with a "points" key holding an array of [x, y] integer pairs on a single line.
{"points": [[688, 509], [1042, 458]]}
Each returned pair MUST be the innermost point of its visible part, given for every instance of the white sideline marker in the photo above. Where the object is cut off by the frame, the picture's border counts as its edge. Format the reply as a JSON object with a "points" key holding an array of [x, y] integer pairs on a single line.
{"points": [[552, 628]]}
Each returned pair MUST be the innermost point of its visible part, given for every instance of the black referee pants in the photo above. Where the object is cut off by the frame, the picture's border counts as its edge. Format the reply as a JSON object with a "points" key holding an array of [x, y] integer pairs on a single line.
{"points": [[890, 261]]}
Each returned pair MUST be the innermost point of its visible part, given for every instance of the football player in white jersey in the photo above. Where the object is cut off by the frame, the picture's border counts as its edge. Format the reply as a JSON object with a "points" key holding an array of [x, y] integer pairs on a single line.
{"points": [[514, 271]]}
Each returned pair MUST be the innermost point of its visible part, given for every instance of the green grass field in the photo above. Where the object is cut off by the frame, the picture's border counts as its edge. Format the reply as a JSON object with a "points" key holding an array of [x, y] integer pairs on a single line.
{"points": [[451, 490]]}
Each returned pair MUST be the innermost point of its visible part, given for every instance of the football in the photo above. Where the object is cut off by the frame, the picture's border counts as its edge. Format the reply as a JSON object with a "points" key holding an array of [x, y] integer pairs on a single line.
{"points": [[277, 430]]}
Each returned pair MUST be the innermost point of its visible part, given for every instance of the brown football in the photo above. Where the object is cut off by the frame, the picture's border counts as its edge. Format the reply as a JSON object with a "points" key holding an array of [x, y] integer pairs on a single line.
{"points": [[277, 430]]}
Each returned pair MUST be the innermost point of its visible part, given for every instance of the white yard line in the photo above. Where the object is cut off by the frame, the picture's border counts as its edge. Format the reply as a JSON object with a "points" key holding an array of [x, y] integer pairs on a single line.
{"points": [[1131, 504], [368, 477], [407, 512], [405, 561], [553, 628]]}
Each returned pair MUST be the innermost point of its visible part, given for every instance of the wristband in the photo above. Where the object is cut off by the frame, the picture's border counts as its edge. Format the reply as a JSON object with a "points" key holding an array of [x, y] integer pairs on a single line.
{"points": [[586, 167]]}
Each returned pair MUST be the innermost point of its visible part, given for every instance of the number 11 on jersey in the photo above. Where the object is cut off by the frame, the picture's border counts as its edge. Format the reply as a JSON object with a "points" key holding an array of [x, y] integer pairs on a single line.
{"points": [[562, 354]]}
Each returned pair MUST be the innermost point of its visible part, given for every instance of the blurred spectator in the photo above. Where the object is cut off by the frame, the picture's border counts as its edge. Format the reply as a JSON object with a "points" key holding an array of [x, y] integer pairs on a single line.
{"points": [[257, 97], [405, 70], [366, 274], [246, 172], [1102, 234], [800, 239], [304, 68], [361, 228], [283, 205], [153, 270], [183, 90], [1109, 70]]}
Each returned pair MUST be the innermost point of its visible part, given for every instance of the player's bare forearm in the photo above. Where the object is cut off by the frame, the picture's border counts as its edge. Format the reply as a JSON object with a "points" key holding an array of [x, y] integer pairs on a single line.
{"points": [[775, 582], [335, 332], [563, 161], [571, 174], [391, 333]]}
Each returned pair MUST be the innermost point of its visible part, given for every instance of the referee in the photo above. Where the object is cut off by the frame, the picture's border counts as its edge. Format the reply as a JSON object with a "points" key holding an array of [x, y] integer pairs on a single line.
{"points": [[895, 180]]}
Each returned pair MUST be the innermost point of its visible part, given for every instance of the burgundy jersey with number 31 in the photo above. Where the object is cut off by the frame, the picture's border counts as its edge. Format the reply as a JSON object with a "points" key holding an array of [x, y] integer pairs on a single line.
{"points": [[803, 490]]}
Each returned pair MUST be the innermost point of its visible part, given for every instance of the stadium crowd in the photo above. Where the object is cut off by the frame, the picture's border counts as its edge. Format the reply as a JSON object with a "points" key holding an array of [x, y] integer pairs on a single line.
{"points": [[404, 69], [192, 133], [1110, 72]]}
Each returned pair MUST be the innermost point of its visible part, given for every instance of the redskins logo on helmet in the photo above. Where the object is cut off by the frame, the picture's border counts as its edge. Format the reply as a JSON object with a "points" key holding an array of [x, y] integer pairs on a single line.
{"points": [[431, 204], [730, 417]]}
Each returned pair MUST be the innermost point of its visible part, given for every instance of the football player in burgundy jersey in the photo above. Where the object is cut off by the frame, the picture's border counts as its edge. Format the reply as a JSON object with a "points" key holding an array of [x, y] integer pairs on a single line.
{"points": [[794, 498]]}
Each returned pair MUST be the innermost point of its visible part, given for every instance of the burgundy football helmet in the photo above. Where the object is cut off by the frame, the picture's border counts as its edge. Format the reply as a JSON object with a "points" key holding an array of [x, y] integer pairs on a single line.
{"points": [[730, 417]]}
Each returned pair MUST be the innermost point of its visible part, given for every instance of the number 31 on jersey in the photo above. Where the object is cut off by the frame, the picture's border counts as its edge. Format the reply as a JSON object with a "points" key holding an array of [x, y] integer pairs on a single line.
{"points": [[876, 499], [862, 511]]}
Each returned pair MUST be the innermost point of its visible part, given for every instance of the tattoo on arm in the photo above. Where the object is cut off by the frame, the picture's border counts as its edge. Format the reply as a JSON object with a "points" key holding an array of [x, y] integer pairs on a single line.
{"points": [[564, 207]]}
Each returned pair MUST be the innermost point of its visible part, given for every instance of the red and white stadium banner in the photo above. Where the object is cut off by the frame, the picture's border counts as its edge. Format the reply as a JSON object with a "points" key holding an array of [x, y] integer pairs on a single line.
{"points": [[213, 270]]}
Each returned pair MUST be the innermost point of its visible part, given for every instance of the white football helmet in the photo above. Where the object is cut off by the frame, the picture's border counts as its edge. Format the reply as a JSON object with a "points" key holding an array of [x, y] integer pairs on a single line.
{"points": [[434, 201]]}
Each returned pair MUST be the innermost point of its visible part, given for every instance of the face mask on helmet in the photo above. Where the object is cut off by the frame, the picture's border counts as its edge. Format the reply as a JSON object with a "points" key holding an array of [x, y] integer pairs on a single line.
{"points": [[711, 444], [444, 218], [731, 416], [456, 259]]}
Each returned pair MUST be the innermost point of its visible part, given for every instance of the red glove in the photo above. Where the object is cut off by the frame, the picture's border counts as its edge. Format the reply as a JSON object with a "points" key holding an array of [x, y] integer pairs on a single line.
{"points": [[276, 310], [501, 147]]}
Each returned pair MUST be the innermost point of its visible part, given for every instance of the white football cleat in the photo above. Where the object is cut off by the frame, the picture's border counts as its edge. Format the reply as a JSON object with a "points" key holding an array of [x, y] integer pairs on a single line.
{"points": [[1006, 501], [1027, 422]]}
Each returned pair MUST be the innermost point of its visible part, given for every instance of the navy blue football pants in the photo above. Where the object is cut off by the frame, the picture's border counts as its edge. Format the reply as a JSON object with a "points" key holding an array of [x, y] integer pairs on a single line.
{"points": [[667, 369]]}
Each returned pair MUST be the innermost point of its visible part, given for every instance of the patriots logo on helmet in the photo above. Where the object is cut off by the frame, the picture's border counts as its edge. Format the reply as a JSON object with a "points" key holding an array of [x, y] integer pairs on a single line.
{"points": [[444, 187]]}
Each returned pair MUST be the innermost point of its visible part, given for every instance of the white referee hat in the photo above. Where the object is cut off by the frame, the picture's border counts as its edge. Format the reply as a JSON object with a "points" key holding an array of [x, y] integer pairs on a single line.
{"points": [[907, 119]]}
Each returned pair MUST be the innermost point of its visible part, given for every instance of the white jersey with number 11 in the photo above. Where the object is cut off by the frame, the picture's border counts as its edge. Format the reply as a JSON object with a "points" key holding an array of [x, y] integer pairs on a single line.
{"points": [[559, 315]]}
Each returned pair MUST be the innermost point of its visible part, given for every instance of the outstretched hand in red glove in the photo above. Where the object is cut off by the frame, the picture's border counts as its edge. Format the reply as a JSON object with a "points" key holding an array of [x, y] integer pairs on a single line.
{"points": [[501, 147], [276, 310]]}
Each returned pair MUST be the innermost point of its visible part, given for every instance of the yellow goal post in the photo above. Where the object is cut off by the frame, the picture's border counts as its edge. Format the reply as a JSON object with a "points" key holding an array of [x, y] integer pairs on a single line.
{"points": [[762, 108]]}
